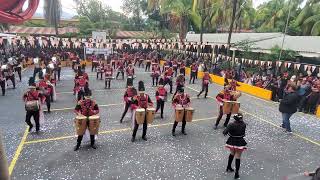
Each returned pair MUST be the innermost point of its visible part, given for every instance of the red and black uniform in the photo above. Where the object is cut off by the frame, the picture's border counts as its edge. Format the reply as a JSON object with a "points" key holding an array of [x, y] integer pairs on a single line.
{"points": [[223, 95], [193, 74], [175, 67], [165, 66], [128, 98], [100, 69], [57, 69], [94, 63], [120, 68], [179, 83], [156, 71], [2, 83], [148, 65], [108, 71], [233, 85], [168, 76], [141, 101], [9, 74], [130, 71], [161, 96], [47, 90], [205, 84], [183, 100], [81, 86], [182, 68], [33, 95], [86, 107]]}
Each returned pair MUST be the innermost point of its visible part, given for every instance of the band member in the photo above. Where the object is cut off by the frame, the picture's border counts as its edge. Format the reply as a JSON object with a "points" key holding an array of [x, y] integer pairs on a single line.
{"points": [[141, 100], [193, 74], [46, 89], [179, 83], [148, 64], [113, 64], [221, 97], [168, 75], [182, 68], [161, 96], [57, 68], [165, 66], [175, 67], [205, 84], [9, 74], [181, 99], [2, 82], [94, 62], [108, 71], [81, 86], [155, 73], [32, 98], [236, 142], [18, 67], [120, 69], [100, 69], [86, 107], [37, 67], [128, 97], [233, 85]]}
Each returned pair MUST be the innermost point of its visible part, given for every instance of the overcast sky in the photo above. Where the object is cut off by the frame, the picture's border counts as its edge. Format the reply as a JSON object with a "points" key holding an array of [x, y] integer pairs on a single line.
{"points": [[69, 5]]}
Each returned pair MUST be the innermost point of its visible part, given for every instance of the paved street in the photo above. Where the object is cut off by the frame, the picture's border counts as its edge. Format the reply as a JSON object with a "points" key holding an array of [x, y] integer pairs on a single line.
{"points": [[272, 153]]}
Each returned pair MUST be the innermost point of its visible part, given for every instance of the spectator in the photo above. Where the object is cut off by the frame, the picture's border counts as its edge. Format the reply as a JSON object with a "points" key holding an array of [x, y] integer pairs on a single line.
{"points": [[288, 106]]}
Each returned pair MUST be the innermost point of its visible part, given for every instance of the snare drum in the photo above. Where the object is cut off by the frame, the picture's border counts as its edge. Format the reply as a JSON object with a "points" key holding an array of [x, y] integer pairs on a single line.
{"points": [[80, 123], [94, 124], [150, 115], [188, 112], [32, 105], [179, 112], [140, 115]]}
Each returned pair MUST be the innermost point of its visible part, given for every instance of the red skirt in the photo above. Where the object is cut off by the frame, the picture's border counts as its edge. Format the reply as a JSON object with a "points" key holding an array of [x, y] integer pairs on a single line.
{"points": [[236, 148]]}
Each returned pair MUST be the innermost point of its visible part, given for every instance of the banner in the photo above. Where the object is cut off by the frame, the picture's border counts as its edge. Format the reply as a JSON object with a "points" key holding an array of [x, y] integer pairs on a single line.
{"points": [[98, 50]]}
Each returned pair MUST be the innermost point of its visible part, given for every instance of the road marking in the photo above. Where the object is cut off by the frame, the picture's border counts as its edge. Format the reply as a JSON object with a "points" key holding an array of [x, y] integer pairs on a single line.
{"points": [[271, 123], [111, 131], [18, 151]]}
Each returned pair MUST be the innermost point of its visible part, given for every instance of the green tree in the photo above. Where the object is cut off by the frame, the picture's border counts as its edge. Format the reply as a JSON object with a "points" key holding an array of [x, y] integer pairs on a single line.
{"points": [[309, 18], [136, 9]]}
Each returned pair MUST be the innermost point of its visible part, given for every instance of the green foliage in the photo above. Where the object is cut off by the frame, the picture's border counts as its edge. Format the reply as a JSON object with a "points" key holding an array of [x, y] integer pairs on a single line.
{"points": [[246, 47], [287, 55], [294, 29]]}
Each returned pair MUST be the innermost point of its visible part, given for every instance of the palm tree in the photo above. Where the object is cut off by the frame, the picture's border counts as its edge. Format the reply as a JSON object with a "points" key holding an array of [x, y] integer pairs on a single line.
{"points": [[52, 13], [232, 22], [309, 18]]}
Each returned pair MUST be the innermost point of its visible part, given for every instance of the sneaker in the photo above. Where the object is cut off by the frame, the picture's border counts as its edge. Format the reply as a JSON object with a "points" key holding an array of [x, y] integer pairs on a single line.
{"points": [[144, 138], [93, 146], [76, 148]]}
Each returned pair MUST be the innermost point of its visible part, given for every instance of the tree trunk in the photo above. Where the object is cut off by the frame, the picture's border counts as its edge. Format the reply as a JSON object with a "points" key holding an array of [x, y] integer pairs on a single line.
{"points": [[231, 24], [183, 28]]}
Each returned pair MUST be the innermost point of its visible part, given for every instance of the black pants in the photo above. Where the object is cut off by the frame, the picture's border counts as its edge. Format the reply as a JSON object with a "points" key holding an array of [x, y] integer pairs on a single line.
{"points": [[126, 110], [3, 87], [36, 116], [48, 101], [148, 67], [175, 69], [140, 62], [155, 78], [220, 116], [94, 66], [12, 79], [113, 65], [192, 77], [80, 95], [80, 137], [57, 72], [100, 75], [160, 104], [107, 83], [205, 89], [183, 71], [35, 71], [73, 65], [122, 73], [168, 81], [18, 70], [136, 126], [184, 122], [302, 103]]}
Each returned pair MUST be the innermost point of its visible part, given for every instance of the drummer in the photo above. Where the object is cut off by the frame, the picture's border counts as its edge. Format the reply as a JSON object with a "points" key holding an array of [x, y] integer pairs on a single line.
{"points": [[236, 142], [47, 90], [161, 96], [86, 107], [205, 84], [108, 71], [130, 71], [142, 100], [128, 97], [9, 74], [33, 95], [155, 73], [221, 97], [168, 75], [182, 99], [120, 68], [180, 81], [100, 69]]}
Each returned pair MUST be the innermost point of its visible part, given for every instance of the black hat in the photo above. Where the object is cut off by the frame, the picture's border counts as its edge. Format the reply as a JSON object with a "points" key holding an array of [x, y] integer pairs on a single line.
{"points": [[238, 117], [129, 82], [161, 81], [181, 90], [88, 93], [141, 86]]}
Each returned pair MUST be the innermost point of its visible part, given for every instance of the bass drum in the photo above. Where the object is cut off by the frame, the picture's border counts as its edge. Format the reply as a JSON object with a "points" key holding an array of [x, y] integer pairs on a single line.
{"points": [[150, 115], [179, 113], [140, 115], [189, 114]]}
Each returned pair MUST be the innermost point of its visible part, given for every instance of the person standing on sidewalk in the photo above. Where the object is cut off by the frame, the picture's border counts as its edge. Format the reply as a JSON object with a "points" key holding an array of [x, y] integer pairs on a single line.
{"points": [[288, 106]]}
